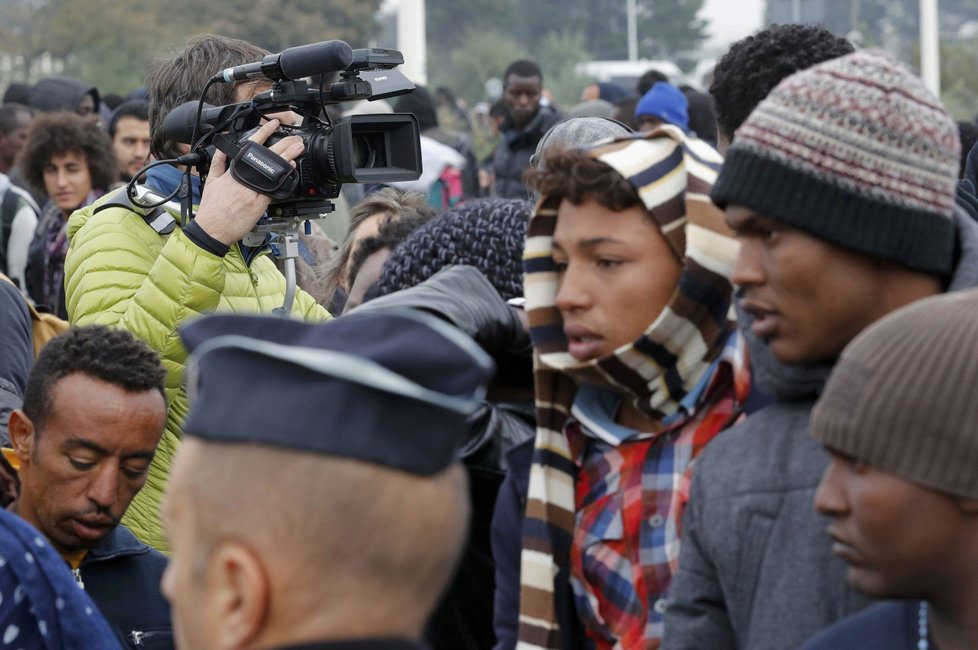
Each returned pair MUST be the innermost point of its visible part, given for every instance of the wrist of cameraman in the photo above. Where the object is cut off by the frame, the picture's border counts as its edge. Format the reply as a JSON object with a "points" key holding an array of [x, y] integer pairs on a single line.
{"points": [[196, 233]]}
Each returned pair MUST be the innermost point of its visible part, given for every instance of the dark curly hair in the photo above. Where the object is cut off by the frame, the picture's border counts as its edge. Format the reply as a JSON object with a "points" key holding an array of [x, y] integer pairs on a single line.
{"points": [[485, 233], [574, 175], [53, 134], [753, 66], [112, 355]]}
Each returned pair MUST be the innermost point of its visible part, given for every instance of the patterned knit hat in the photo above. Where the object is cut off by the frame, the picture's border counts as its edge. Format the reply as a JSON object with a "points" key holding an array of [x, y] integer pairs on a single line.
{"points": [[901, 397], [854, 151]]}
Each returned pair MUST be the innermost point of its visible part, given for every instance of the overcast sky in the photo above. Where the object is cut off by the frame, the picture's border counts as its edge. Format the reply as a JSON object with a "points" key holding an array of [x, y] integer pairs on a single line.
{"points": [[732, 19]]}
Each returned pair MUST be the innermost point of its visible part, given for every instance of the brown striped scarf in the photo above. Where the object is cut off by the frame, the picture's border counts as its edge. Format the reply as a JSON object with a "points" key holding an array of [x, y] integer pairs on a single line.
{"points": [[673, 174]]}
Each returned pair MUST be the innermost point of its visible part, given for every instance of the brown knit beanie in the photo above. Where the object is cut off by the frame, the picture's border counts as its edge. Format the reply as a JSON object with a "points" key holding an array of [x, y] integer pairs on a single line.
{"points": [[903, 398]]}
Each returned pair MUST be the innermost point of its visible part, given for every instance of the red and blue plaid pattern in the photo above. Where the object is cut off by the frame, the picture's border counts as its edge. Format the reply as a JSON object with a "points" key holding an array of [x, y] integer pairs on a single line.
{"points": [[629, 503]]}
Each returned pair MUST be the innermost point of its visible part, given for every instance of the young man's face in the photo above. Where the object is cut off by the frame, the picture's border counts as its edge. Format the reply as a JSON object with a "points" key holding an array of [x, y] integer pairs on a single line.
{"points": [[616, 273], [522, 98], [131, 145], [67, 179], [81, 470], [808, 298], [895, 535]]}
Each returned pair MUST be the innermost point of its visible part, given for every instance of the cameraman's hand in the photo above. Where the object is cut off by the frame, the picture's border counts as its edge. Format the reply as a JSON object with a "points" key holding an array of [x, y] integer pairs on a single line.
{"points": [[229, 210]]}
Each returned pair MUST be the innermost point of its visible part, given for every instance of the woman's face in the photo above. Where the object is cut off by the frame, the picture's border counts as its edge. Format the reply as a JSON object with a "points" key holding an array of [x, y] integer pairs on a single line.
{"points": [[67, 180]]}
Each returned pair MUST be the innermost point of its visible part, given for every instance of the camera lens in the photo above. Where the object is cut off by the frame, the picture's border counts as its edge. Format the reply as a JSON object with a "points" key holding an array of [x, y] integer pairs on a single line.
{"points": [[363, 153]]}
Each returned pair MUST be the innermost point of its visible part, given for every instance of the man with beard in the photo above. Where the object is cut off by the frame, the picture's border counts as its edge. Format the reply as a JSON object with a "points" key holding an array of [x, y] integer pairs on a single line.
{"points": [[93, 413]]}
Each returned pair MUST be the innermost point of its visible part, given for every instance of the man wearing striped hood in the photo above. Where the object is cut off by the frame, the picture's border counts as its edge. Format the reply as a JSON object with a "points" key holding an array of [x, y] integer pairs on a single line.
{"points": [[637, 368]]}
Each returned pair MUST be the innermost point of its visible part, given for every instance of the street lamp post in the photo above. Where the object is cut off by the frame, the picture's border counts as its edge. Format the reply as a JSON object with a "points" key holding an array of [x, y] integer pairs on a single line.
{"points": [[630, 11], [930, 47]]}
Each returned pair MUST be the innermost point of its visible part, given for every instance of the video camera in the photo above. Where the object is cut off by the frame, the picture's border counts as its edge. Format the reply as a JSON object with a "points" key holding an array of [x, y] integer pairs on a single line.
{"points": [[357, 149]]}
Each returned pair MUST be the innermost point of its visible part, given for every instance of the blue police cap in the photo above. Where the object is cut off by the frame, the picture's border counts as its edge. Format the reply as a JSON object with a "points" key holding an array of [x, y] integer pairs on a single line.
{"points": [[391, 388]]}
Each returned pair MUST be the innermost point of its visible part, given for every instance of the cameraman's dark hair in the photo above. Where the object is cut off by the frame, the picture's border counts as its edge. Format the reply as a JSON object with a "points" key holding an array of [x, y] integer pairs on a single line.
{"points": [[62, 132], [573, 175], [753, 66], [137, 108], [522, 68], [181, 77], [8, 116], [112, 355]]}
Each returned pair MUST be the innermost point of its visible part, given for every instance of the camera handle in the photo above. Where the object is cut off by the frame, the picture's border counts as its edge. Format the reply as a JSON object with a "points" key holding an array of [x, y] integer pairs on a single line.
{"points": [[285, 246]]}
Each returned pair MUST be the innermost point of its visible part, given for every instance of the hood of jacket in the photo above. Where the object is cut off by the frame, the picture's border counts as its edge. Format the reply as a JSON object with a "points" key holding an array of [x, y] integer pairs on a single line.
{"points": [[786, 382], [61, 94]]}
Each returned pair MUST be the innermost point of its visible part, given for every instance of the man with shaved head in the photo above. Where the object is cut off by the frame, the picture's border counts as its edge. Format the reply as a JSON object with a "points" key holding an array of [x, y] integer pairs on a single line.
{"points": [[294, 530]]}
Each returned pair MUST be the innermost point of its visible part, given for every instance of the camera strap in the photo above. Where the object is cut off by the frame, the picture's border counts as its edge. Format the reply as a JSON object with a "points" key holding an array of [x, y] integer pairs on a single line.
{"points": [[259, 168]]}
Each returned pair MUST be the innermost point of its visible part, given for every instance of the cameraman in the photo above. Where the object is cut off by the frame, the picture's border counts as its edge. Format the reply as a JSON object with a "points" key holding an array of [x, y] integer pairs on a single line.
{"points": [[148, 275]]}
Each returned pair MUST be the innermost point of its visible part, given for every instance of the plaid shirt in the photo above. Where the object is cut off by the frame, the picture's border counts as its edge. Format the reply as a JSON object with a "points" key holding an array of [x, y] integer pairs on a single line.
{"points": [[631, 490]]}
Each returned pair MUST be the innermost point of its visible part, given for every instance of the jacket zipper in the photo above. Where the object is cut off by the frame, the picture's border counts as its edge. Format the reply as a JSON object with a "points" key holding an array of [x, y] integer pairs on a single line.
{"points": [[137, 637], [78, 577]]}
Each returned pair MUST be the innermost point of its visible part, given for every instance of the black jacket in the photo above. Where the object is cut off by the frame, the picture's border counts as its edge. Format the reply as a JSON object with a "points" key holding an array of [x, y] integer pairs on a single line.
{"points": [[512, 155], [462, 296], [122, 575], [16, 352]]}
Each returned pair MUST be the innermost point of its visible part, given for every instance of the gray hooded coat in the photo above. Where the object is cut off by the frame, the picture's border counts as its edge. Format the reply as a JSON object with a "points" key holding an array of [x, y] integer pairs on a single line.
{"points": [[756, 569]]}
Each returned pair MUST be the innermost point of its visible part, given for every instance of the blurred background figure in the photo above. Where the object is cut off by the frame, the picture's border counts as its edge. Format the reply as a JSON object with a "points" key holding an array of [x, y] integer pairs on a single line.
{"points": [[387, 204], [72, 160], [527, 119], [18, 209], [702, 118], [129, 130], [663, 104], [66, 94], [449, 167], [452, 112]]}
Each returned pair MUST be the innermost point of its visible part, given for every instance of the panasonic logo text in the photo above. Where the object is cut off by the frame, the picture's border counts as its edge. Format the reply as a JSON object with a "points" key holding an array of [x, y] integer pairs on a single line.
{"points": [[261, 163]]}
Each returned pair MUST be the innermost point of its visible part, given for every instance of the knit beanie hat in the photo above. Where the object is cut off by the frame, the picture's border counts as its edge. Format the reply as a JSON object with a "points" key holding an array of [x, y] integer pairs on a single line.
{"points": [[667, 103], [855, 151], [901, 397], [485, 233], [578, 131]]}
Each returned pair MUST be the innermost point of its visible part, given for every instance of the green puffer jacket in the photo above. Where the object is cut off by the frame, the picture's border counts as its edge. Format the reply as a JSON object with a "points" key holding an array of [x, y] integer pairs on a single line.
{"points": [[120, 272]]}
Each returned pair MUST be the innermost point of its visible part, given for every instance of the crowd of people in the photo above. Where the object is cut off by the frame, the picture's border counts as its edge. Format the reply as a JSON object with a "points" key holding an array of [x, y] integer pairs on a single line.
{"points": [[665, 369]]}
